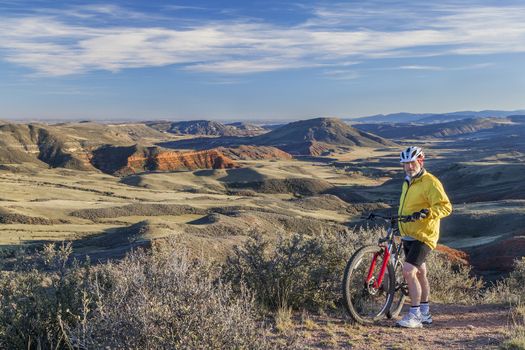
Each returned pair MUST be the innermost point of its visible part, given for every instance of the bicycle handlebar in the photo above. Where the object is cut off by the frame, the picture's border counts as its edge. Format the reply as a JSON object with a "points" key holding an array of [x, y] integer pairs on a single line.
{"points": [[399, 218]]}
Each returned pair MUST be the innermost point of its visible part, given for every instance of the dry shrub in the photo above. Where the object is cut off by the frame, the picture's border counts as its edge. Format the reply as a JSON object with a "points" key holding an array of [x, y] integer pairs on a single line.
{"points": [[159, 299], [511, 289], [451, 281], [516, 333], [33, 300], [164, 300], [299, 271]]}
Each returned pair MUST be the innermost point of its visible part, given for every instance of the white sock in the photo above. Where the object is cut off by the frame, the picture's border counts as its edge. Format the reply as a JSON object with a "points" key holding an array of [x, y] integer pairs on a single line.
{"points": [[425, 308], [415, 310]]}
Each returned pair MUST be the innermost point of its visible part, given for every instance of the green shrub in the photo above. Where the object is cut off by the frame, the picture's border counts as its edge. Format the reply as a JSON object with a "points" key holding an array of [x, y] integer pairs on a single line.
{"points": [[298, 271]]}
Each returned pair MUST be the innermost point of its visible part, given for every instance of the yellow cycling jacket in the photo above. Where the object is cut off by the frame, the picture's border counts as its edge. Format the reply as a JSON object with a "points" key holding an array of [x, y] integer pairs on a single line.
{"points": [[423, 192]]}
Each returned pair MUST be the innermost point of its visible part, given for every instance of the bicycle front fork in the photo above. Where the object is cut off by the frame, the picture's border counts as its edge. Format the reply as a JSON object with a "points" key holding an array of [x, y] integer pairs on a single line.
{"points": [[384, 264]]}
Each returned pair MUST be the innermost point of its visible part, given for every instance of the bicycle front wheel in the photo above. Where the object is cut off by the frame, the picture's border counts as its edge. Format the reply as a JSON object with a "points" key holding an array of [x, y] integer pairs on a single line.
{"points": [[400, 292], [365, 299]]}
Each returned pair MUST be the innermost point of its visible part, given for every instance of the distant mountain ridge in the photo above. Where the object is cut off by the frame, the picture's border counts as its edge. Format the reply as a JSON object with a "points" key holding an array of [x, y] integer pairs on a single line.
{"points": [[207, 127], [446, 129], [433, 117]]}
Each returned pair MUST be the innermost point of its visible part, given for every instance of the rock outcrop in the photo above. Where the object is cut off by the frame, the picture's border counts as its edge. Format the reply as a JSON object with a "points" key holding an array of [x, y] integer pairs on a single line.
{"points": [[136, 159]]}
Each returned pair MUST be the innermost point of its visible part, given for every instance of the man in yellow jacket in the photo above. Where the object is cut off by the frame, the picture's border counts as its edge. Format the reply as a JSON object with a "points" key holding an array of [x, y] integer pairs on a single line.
{"points": [[424, 198]]}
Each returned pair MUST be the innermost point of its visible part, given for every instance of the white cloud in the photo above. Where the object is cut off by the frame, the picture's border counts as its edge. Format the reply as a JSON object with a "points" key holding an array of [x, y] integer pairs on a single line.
{"points": [[333, 37], [416, 67]]}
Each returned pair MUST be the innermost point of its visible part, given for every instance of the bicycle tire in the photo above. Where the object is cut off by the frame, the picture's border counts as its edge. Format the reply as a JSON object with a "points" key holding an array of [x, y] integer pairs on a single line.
{"points": [[356, 293], [400, 293]]}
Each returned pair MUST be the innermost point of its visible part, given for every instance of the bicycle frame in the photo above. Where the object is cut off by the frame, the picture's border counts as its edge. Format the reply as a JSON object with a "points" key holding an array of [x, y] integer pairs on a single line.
{"points": [[387, 249]]}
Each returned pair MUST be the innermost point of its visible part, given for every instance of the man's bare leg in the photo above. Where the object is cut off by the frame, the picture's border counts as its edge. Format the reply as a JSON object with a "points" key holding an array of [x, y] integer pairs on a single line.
{"points": [[425, 293], [410, 272], [423, 282], [413, 318]]}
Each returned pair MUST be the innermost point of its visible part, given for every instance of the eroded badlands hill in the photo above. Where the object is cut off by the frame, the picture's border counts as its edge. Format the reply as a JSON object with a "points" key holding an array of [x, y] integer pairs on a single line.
{"points": [[317, 136], [91, 146]]}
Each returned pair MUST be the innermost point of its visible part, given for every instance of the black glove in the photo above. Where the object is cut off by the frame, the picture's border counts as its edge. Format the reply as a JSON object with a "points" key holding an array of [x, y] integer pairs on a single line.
{"points": [[418, 215]]}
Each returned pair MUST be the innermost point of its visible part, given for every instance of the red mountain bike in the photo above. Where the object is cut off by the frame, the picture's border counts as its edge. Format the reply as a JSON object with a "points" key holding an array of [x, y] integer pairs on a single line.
{"points": [[373, 283]]}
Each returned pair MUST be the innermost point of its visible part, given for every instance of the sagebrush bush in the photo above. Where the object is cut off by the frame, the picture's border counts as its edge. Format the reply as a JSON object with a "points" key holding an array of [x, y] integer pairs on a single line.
{"points": [[159, 299], [452, 282], [298, 271], [32, 300], [511, 289]]}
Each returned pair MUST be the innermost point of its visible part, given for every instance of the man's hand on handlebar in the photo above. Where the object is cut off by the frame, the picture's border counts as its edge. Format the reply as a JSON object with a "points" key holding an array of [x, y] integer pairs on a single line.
{"points": [[418, 215]]}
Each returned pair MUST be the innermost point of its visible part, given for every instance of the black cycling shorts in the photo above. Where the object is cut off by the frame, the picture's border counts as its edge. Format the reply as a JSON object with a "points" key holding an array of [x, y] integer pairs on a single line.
{"points": [[416, 252]]}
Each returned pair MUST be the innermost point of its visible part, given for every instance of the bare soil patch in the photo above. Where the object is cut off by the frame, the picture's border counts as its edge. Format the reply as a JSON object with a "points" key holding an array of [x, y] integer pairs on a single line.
{"points": [[454, 327]]}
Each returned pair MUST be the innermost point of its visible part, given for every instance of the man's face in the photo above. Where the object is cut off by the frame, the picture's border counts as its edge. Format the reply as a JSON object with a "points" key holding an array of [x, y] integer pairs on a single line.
{"points": [[412, 168]]}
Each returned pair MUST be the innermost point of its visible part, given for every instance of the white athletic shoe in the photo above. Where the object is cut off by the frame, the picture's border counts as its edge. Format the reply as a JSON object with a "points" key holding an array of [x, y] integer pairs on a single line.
{"points": [[410, 320], [426, 318]]}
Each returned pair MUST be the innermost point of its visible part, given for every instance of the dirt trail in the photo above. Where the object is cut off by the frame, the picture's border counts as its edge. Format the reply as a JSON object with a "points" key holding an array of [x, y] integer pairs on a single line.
{"points": [[454, 327]]}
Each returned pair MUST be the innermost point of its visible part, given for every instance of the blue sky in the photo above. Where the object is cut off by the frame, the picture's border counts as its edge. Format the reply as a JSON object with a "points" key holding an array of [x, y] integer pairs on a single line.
{"points": [[264, 60]]}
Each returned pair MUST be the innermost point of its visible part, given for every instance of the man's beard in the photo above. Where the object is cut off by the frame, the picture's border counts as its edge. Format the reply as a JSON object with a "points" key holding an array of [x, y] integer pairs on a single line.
{"points": [[413, 172]]}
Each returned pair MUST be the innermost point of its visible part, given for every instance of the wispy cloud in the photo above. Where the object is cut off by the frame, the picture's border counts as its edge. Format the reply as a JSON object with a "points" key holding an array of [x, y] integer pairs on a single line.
{"points": [[49, 43], [416, 67], [341, 74], [446, 68]]}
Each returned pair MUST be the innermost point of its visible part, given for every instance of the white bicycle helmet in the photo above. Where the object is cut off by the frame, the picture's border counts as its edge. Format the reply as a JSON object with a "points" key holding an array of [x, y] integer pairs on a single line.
{"points": [[411, 154]]}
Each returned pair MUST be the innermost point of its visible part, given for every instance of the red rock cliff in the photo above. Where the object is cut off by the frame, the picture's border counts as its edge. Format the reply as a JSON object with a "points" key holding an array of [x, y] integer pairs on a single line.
{"points": [[134, 159]]}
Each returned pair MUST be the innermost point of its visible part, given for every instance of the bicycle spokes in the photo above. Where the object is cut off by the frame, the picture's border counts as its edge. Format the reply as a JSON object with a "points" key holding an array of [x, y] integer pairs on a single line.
{"points": [[368, 283]]}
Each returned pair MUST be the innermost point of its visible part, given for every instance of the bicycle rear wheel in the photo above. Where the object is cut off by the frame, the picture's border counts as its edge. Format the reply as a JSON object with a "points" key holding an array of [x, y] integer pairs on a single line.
{"points": [[365, 301]]}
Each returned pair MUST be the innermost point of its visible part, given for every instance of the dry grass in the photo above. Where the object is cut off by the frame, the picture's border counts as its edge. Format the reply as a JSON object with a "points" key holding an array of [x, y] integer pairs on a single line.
{"points": [[283, 320], [516, 333]]}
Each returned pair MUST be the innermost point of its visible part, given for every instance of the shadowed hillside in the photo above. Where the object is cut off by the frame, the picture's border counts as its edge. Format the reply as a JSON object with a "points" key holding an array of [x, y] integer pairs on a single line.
{"points": [[41, 145]]}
